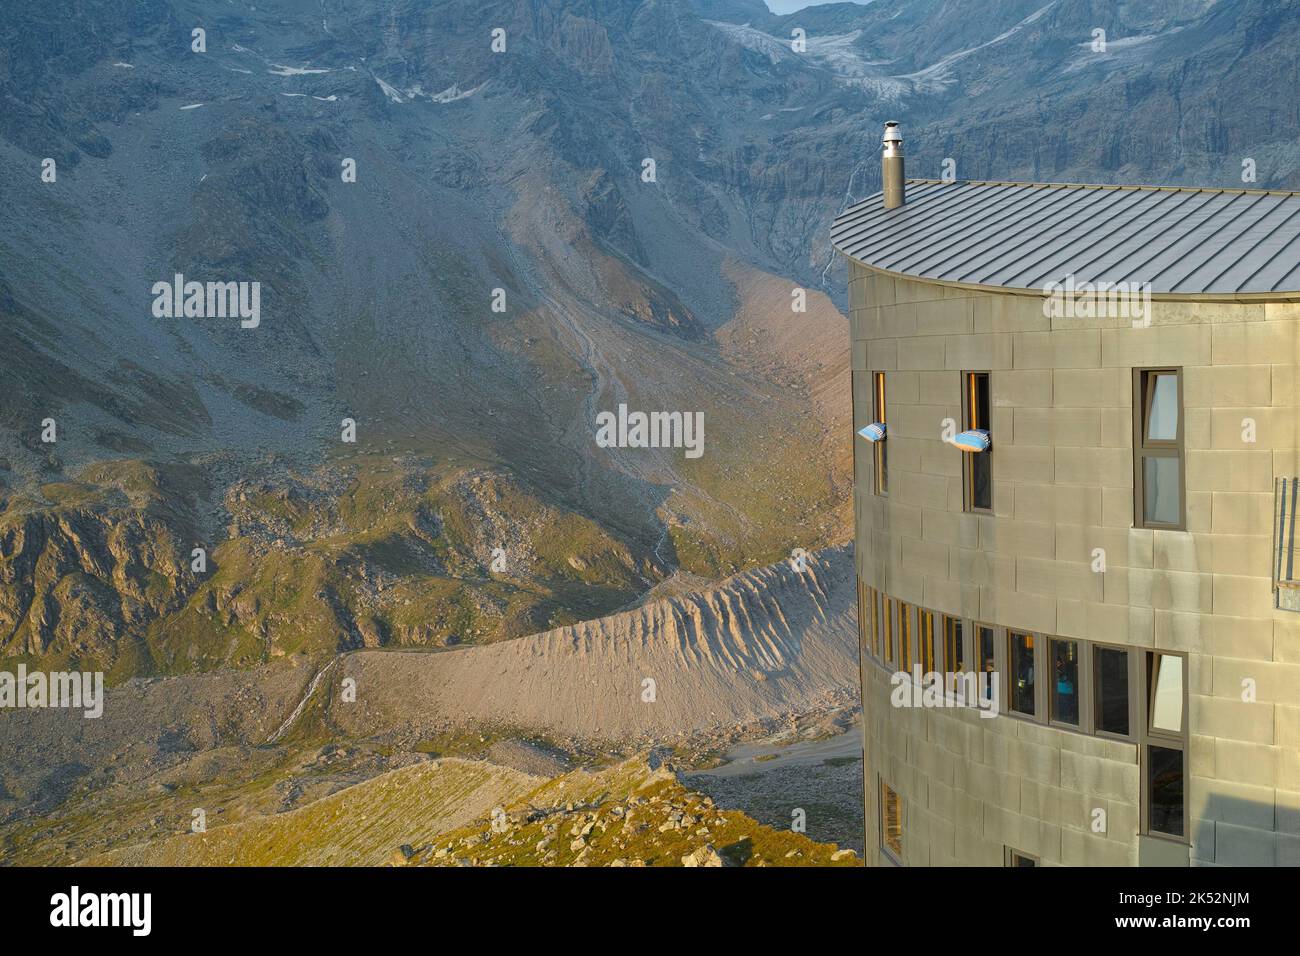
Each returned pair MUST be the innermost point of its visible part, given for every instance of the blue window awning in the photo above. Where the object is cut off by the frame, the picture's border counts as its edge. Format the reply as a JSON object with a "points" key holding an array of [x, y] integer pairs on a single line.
{"points": [[873, 432]]}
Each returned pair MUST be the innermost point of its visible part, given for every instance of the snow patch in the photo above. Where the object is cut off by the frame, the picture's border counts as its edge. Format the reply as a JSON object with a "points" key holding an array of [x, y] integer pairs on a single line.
{"points": [[281, 70], [453, 93], [389, 91], [192, 106], [125, 66]]}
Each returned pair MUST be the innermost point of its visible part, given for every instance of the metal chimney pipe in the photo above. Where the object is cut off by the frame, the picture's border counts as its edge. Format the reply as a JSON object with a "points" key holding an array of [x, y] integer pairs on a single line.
{"points": [[892, 172]]}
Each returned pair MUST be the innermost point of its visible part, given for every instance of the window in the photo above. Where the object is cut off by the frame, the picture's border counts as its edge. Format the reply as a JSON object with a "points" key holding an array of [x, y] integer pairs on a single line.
{"points": [[875, 624], [880, 448], [1111, 680], [978, 466], [953, 653], [925, 641], [1016, 858], [1065, 682], [887, 619], [1166, 694], [891, 823], [1022, 686], [986, 654], [904, 637], [1164, 746], [864, 617], [1158, 448], [1164, 785]]}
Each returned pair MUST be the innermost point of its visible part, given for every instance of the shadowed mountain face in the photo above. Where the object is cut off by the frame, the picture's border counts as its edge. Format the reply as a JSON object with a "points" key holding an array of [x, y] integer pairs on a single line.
{"points": [[613, 208]]}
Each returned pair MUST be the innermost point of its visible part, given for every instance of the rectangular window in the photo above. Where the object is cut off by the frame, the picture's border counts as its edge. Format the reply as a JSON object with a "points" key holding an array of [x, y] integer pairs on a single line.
{"points": [[887, 620], [875, 624], [1164, 780], [1158, 448], [977, 412], [1166, 707], [1111, 704], [953, 653], [1065, 681], [864, 618], [925, 641], [891, 822], [904, 637], [986, 655], [1022, 686], [880, 448], [1164, 745]]}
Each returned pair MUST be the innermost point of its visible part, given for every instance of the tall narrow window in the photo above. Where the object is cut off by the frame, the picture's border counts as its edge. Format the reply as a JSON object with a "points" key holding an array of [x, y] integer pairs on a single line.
{"points": [[865, 596], [1165, 796], [925, 640], [1065, 681], [875, 624], [887, 623], [1023, 680], [891, 822], [1166, 694], [1111, 679], [1164, 746], [1158, 448], [904, 637], [986, 655], [953, 653], [880, 448], [977, 412]]}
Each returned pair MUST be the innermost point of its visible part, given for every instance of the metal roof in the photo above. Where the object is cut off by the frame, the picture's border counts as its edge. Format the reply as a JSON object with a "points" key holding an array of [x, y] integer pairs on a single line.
{"points": [[1235, 243]]}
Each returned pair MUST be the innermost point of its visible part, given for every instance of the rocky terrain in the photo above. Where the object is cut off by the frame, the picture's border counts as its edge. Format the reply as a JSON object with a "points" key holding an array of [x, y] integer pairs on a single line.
{"points": [[634, 814], [767, 654], [454, 812]]}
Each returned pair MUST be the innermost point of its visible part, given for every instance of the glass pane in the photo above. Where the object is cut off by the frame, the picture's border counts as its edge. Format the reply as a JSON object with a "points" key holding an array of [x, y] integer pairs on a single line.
{"points": [[987, 661], [981, 479], [1111, 666], [1165, 783], [1022, 673], [875, 624], [888, 622], [1019, 860], [882, 466], [925, 635], [1162, 420], [1160, 491], [904, 637], [891, 822], [952, 651], [1065, 682], [1167, 697], [982, 405]]}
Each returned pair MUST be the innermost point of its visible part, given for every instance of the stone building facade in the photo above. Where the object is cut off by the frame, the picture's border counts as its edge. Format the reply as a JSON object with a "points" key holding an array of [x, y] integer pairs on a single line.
{"points": [[1060, 587]]}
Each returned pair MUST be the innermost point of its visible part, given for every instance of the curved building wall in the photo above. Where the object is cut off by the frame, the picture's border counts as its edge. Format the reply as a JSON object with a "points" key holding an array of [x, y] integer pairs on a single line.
{"points": [[969, 787]]}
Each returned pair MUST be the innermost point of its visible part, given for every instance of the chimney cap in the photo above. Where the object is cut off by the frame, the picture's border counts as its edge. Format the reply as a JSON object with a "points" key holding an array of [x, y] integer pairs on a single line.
{"points": [[893, 134]]}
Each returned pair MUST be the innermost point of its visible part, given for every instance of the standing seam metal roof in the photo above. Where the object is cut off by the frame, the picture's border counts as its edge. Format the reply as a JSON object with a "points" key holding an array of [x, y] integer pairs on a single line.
{"points": [[1020, 236]]}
